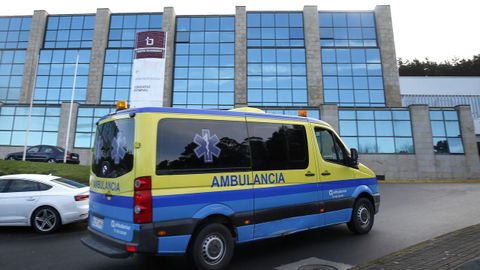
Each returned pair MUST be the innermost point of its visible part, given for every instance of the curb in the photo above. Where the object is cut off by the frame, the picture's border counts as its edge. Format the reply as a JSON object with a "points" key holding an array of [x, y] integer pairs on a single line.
{"points": [[429, 181]]}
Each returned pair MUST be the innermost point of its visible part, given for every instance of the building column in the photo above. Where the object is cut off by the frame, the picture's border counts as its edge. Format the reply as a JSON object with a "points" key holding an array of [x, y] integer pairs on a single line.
{"points": [[469, 141], [422, 139], [35, 43], [97, 55], [63, 126], [169, 19], [386, 43], [313, 56], [329, 114], [240, 56]]}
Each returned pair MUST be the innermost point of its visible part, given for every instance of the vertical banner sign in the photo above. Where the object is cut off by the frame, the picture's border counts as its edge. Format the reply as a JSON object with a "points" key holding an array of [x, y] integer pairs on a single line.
{"points": [[148, 72]]}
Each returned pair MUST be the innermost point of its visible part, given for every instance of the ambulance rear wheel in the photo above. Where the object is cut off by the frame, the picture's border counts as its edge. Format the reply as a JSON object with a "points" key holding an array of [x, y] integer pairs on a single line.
{"points": [[212, 247], [362, 217]]}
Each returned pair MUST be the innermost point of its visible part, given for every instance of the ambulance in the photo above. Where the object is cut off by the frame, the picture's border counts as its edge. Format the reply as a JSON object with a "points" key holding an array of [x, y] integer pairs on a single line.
{"points": [[171, 181]]}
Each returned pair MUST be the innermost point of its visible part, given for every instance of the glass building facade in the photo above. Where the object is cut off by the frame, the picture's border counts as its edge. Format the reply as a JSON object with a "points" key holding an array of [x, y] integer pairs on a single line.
{"points": [[204, 62], [351, 63], [377, 131], [14, 121], [250, 58], [14, 34], [276, 59]]}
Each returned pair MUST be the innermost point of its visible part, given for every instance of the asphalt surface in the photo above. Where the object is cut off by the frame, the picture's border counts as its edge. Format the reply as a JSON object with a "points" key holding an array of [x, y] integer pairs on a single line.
{"points": [[409, 214]]}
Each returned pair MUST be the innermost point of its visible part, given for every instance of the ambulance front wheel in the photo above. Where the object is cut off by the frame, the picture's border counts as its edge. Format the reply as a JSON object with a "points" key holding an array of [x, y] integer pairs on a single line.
{"points": [[362, 216], [212, 247]]}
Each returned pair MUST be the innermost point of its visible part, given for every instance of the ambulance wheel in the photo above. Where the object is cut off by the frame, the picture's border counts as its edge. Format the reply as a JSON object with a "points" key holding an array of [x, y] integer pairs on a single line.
{"points": [[212, 247], [362, 217]]}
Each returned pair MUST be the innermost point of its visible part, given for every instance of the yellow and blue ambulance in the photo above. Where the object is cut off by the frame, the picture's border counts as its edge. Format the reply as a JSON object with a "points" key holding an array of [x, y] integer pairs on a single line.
{"points": [[171, 181]]}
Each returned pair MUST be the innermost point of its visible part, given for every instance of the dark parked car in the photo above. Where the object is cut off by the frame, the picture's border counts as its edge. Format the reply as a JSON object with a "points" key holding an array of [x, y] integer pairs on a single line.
{"points": [[45, 153]]}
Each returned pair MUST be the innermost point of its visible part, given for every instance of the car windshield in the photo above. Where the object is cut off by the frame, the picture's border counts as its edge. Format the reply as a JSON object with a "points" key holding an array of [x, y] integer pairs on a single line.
{"points": [[68, 183]]}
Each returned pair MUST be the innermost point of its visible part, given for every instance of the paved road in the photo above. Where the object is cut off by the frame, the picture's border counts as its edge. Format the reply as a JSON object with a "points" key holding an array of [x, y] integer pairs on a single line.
{"points": [[409, 213]]}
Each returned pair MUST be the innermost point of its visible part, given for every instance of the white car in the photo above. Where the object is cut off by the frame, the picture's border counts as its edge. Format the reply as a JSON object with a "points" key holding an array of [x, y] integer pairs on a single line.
{"points": [[44, 202]]}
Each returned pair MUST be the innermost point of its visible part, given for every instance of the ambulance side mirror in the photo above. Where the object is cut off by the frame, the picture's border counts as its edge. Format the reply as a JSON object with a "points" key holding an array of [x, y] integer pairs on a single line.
{"points": [[353, 157]]}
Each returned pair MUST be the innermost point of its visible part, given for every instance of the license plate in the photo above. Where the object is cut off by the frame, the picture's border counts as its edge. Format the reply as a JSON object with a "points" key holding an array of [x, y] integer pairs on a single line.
{"points": [[97, 223], [74, 157]]}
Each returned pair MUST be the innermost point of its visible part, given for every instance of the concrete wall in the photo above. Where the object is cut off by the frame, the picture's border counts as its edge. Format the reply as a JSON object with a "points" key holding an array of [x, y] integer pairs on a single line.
{"points": [[313, 56], [240, 57], [63, 125], [97, 55], [386, 43], [35, 43], [169, 27]]}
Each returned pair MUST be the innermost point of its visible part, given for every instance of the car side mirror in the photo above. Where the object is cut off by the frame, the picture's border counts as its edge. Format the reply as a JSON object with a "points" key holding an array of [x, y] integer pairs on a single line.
{"points": [[353, 156]]}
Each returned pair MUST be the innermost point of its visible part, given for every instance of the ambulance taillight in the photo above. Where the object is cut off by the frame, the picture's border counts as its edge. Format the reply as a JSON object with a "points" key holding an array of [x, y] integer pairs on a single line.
{"points": [[142, 209]]}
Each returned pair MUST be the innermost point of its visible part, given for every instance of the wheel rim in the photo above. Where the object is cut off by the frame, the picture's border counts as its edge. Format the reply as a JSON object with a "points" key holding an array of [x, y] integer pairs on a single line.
{"points": [[11, 158], [213, 249], [363, 216], [45, 220], [51, 161]]}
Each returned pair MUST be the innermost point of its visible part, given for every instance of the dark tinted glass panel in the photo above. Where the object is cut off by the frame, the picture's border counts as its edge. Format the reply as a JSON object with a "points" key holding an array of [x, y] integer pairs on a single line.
{"points": [[201, 145], [22, 186], [3, 185], [69, 183], [113, 148], [278, 147], [43, 187]]}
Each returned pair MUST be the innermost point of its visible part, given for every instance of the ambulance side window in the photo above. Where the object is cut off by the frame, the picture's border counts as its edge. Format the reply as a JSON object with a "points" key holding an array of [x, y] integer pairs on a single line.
{"points": [[330, 148], [278, 146], [201, 146]]}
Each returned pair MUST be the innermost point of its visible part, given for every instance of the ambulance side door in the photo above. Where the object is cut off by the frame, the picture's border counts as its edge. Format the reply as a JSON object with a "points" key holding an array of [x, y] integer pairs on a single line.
{"points": [[285, 187], [333, 170]]}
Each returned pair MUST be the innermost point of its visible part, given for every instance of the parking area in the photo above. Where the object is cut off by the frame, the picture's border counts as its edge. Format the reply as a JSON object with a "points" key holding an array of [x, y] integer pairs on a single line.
{"points": [[409, 214]]}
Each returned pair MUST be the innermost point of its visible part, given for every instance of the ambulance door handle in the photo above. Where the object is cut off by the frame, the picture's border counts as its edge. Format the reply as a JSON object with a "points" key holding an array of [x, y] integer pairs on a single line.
{"points": [[325, 173], [309, 173]]}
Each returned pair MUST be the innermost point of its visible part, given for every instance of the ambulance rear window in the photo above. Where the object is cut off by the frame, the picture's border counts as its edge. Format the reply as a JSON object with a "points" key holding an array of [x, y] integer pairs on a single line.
{"points": [[113, 148]]}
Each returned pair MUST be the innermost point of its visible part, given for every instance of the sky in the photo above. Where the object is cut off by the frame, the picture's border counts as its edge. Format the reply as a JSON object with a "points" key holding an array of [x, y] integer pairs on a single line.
{"points": [[439, 30]]}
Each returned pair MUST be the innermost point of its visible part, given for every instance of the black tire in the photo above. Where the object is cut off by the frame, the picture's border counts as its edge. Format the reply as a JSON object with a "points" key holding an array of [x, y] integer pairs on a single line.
{"points": [[362, 217], [212, 247], [51, 160], [45, 220]]}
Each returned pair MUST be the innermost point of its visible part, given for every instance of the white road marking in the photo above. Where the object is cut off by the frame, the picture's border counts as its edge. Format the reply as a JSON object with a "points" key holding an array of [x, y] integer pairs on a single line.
{"points": [[313, 260]]}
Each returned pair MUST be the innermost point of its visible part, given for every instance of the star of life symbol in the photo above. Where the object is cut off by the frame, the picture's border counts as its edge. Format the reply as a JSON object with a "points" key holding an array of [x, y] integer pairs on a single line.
{"points": [[118, 148], [207, 146], [149, 41]]}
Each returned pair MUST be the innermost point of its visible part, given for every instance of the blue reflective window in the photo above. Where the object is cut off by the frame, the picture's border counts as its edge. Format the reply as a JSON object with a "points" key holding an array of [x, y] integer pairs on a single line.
{"points": [[14, 32], [204, 62], [123, 28], [69, 31], [377, 131], [366, 83], [341, 29], [44, 124], [55, 76], [86, 124], [11, 73], [446, 134]]}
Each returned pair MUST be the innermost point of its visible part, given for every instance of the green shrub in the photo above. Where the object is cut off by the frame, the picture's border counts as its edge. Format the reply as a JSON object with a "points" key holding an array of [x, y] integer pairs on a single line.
{"points": [[79, 173]]}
